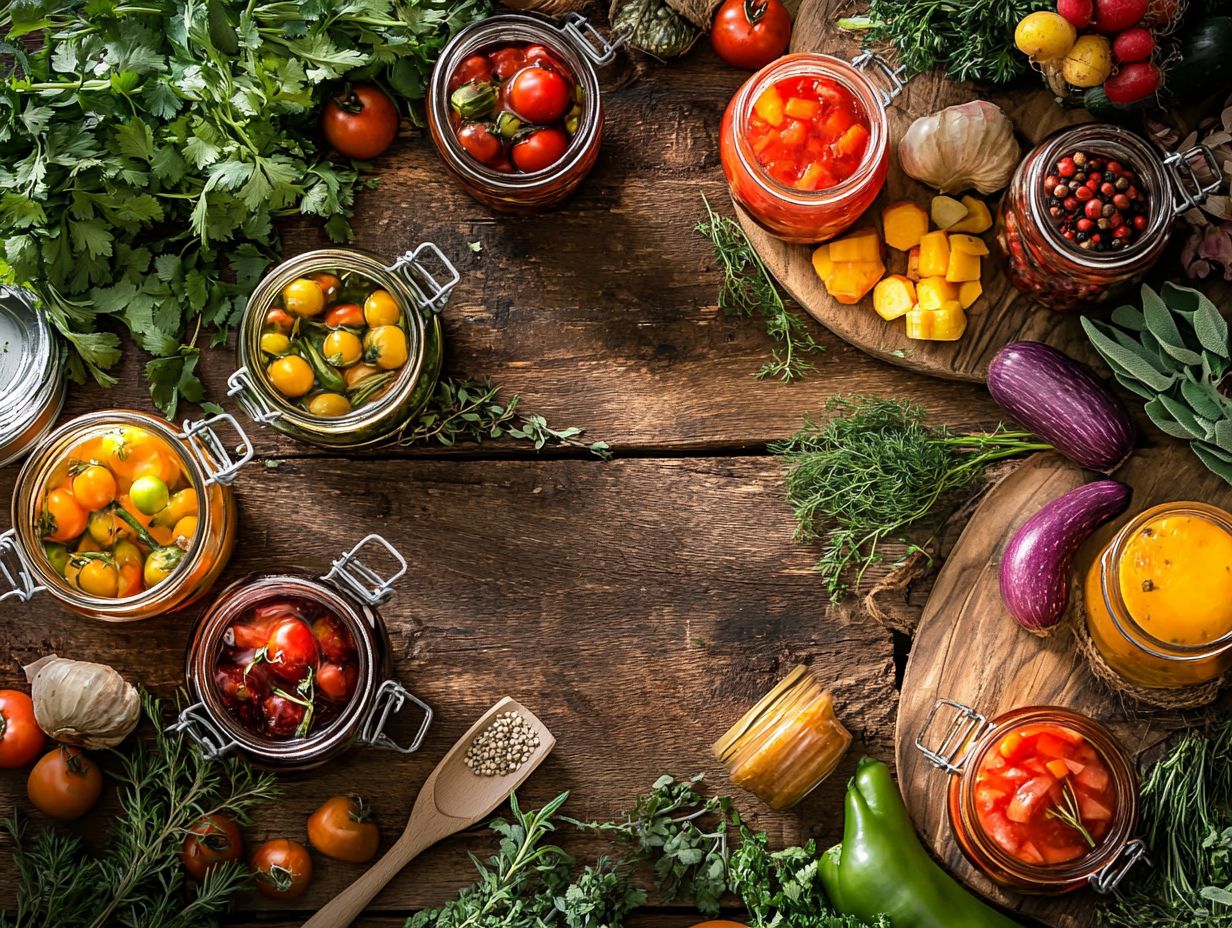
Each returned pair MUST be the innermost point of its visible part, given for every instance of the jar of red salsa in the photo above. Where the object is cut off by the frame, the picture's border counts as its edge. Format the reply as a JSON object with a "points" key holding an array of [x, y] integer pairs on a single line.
{"points": [[805, 143], [515, 111], [292, 670], [1041, 799], [1046, 229]]}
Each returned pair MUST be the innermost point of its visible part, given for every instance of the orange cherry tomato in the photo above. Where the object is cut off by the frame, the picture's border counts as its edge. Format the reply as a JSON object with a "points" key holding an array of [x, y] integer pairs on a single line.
{"points": [[353, 375], [65, 784], [283, 868], [212, 840], [350, 315], [21, 740], [291, 376], [328, 283], [343, 829], [303, 297], [279, 320], [63, 517], [94, 486]]}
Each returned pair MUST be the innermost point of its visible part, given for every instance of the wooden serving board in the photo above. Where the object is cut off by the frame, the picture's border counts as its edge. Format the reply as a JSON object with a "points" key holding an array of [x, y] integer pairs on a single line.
{"points": [[1002, 314], [968, 648]]}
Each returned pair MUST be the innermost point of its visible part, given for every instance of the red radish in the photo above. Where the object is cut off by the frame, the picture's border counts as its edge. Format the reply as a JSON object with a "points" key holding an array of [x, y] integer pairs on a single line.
{"points": [[1132, 83], [1136, 44], [1078, 12], [1118, 15]]}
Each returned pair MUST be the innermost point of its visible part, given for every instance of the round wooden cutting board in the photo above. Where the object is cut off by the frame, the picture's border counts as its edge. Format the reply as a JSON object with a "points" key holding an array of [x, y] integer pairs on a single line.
{"points": [[1002, 314], [968, 648]]}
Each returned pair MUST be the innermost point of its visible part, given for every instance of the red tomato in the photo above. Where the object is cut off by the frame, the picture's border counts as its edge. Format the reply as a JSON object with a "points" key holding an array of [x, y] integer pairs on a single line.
{"points": [[541, 149], [343, 829], [750, 33], [361, 122], [473, 68], [247, 636], [337, 681], [64, 784], [545, 57], [283, 868], [506, 62], [283, 717], [212, 840], [279, 320], [333, 640], [538, 95], [479, 143], [290, 649], [350, 315], [21, 740]]}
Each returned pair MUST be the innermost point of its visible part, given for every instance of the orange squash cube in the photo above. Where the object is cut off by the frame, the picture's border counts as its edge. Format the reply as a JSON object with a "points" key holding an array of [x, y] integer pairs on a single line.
{"points": [[894, 296], [937, 325], [934, 254], [962, 267], [934, 292], [978, 219], [861, 245], [769, 106], [913, 263], [968, 292], [968, 244], [904, 223]]}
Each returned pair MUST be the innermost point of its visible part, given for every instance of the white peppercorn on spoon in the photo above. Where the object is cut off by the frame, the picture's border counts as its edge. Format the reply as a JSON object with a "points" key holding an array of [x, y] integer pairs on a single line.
{"points": [[454, 797]]}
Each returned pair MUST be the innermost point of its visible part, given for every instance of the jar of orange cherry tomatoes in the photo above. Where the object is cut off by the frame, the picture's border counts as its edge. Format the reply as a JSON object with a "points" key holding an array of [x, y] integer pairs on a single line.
{"points": [[120, 516], [340, 349], [1042, 799], [805, 143], [515, 111]]}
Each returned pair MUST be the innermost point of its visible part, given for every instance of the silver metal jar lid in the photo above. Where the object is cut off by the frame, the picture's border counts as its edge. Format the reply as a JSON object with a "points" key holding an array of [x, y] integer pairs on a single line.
{"points": [[31, 374]]}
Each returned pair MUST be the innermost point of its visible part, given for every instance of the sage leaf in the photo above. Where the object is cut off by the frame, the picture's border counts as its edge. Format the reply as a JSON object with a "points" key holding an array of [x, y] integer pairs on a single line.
{"points": [[1213, 464], [1132, 385], [1159, 320], [1166, 424], [1223, 434], [1198, 427], [1213, 367], [1200, 400], [1131, 362], [1208, 323], [1128, 317]]}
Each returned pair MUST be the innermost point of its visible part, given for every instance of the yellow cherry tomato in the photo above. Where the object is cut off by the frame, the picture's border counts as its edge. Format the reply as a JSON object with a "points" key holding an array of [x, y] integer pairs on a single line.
{"points": [[182, 503], [342, 348], [130, 581], [385, 346], [303, 297], [97, 575], [114, 448], [63, 517], [354, 375], [153, 460], [127, 554], [291, 376], [105, 528], [94, 486], [329, 405], [186, 528], [87, 543], [160, 563], [275, 343], [381, 308]]}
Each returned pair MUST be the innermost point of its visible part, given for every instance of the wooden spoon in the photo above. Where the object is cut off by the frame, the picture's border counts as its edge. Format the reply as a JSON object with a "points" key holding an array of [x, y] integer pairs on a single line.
{"points": [[453, 798]]}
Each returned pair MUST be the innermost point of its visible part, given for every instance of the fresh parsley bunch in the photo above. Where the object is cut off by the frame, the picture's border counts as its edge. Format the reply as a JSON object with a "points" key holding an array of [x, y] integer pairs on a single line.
{"points": [[147, 148]]}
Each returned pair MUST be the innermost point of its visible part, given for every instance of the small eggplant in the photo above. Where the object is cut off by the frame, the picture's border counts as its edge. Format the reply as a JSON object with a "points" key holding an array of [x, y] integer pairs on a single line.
{"points": [[1062, 402], [1036, 564]]}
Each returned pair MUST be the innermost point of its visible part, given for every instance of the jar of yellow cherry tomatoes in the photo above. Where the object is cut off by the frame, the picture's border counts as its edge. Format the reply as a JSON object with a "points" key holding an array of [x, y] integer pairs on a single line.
{"points": [[121, 516], [337, 348]]}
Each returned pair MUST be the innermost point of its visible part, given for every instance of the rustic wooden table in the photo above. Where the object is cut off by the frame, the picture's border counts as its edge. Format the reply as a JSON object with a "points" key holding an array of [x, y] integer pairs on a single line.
{"points": [[639, 606]]}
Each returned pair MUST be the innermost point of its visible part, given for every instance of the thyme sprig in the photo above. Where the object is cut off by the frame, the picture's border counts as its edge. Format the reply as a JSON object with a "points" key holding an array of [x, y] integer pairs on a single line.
{"points": [[748, 290], [1067, 811]]}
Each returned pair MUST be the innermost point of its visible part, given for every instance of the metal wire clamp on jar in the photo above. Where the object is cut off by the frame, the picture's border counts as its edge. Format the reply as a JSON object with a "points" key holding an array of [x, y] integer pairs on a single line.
{"points": [[970, 736], [421, 279], [210, 467], [350, 590], [583, 49], [1043, 264]]}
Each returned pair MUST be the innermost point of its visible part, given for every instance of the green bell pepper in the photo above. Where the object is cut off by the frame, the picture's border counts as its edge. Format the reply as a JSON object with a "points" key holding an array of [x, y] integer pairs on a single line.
{"points": [[881, 867]]}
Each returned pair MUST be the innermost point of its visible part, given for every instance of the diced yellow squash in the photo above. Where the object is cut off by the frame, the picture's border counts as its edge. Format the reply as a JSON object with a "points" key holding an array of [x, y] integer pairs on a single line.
{"points": [[979, 219], [769, 106], [968, 244], [938, 325], [946, 212], [861, 245], [968, 292], [850, 281], [933, 292], [894, 296], [934, 254], [904, 223], [822, 263], [962, 267], [913, 263]]}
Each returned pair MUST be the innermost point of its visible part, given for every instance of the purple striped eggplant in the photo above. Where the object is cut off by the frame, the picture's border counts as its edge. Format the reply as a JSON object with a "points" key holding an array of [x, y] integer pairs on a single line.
{"points": [[1063, 402], [1036, 564]]}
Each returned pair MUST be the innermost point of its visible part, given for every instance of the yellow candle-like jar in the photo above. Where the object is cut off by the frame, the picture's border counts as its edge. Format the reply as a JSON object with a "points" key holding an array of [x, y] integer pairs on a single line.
{"points": [[1159, 597]]}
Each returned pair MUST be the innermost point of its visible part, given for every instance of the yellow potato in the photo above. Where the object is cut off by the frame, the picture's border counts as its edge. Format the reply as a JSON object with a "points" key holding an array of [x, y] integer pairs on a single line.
{"points": [[1089, 62], [1044, 35]]}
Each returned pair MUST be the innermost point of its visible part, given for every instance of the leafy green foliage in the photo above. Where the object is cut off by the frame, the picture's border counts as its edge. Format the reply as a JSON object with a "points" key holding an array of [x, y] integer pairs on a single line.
{"points": [[147, 148], [748, 290], [873, 472], [139, 880]]}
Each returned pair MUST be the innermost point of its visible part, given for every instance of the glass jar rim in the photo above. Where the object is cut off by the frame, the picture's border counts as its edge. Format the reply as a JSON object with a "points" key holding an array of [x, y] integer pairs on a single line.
{"points": [[831, 67], [538, 28]]}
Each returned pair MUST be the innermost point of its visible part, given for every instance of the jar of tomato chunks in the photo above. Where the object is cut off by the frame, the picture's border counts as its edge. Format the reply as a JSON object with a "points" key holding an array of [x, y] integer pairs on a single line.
{"points": [[1159, 597], [291, 670], [1042, 799], [120, 516], [1088, 212], [805, 143], [337, 348], [515, 111]]}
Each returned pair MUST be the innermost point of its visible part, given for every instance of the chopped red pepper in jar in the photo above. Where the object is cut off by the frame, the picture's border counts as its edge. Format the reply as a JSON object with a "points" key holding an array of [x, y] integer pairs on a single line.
{"points": [[1044, 795]]}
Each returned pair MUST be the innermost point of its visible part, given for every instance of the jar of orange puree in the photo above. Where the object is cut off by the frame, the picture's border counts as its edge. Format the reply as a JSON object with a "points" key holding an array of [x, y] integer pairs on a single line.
{"points": [[1159, 597]]}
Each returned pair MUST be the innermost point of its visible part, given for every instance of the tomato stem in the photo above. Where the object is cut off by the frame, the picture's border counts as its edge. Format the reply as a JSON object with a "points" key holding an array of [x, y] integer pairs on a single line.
{"points": [[754, 10], [348, 101]]}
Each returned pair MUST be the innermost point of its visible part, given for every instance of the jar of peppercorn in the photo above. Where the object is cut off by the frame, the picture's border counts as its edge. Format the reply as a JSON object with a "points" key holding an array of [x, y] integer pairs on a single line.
{"points": [[1088, 212], [515, 111], [291, 670]]}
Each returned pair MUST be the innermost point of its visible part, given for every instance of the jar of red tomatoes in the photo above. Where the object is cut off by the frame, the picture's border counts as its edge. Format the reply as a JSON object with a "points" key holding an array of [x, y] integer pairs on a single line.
{"points": [[1089, 211], [291, 670], [120, 516], [515, 111], [1042, 799], [805, 143]]}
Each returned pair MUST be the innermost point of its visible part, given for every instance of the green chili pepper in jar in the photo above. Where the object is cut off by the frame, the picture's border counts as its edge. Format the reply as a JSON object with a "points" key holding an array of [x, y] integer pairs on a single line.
{"points": [[327, 375], [473, 99]]}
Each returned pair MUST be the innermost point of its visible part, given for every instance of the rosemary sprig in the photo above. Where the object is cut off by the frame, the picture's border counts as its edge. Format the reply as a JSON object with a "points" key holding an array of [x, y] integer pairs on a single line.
{"points": [[1067, 811], [748, 290]]}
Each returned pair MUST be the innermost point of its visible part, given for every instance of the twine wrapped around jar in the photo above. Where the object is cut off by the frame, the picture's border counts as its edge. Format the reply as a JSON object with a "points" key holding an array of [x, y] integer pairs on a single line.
{"points": [[547, 7]]}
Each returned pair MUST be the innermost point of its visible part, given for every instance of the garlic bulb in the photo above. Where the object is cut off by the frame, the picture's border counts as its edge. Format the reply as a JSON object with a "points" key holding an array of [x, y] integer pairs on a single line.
{"points": [[83, 704], [964, 146]]}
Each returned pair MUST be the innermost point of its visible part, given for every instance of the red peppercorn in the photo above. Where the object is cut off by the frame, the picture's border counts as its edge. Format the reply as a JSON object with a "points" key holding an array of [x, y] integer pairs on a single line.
{"points": [[1051, 180], [1070, 235], [1094, 208], [1120, 201], [1066, 168], [1093, 179], [1122, 232], [1116, 167], [1139, 223], [1070, 204], [1085, 225], [1084, 193], [1116, 219], [1107, 189]]}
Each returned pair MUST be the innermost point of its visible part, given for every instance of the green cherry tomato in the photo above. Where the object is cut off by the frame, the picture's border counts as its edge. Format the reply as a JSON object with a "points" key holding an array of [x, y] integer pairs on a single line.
{"points": [[57, 555], [160, 564], [149, 494]]}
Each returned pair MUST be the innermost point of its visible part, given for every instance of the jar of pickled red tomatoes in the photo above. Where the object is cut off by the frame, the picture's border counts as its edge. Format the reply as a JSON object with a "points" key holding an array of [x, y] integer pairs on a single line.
{"points": [[515, 111], [1159, 597], [32, 385], [1041, 799], [291, 669], [805, 143], [339, 349], [1089, 210], [120, 516]]}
